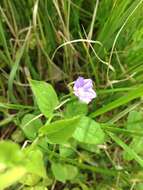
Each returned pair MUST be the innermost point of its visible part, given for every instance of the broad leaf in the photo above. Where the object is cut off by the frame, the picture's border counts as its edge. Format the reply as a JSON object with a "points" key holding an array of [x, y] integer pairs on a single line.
{"points": [[135, 120], [59, 171], [30, 127], [66, 150], [72, 170], [18, 136], [30, 179], [75, 108], [62, 171], [46, 96], [60, 131], [34, 162], [89, 132], [38, 187], [10, 154], [11, 176]]}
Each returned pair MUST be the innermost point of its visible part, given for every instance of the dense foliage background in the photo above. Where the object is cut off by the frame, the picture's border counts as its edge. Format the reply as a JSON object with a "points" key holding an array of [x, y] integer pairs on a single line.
{"points": [[56, 41]]}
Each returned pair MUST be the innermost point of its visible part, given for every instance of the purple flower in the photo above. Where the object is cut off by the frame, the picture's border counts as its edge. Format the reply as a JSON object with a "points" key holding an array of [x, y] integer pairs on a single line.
{"points": [[83, 89]]}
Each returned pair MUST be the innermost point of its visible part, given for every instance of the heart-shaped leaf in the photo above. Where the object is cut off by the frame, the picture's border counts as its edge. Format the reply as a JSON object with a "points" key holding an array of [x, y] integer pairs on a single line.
{"points": [[89, 132], [45, 95], [60, 131]]}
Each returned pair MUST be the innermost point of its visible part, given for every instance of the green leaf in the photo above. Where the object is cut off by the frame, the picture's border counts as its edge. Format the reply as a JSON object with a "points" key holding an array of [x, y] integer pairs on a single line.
{"points": [[62, 171], [136, 93], [75, 108], [66, 150], [10, 153], [83, 186], [34, 162], [126, 148], [139, 186], [89, 132], [18, 136], [135, 120], [72, 170], [136, 145], [11, 176], [59, 171], [135, 123], [37, 187], [30, 179], [60, 131], [90, 147], [45, 95], [30, 127]]}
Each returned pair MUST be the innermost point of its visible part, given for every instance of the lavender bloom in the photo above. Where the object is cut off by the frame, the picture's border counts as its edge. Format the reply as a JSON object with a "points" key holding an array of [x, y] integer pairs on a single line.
{"points": [[83, 89]]}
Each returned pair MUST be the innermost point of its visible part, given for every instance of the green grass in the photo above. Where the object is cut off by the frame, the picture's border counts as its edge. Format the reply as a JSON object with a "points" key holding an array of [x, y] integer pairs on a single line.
{"points": [[57, 41]]}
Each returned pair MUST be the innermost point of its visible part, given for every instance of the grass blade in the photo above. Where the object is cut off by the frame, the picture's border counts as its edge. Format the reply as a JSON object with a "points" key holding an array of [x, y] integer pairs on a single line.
{"points": [[120, 101], [127, 149]]}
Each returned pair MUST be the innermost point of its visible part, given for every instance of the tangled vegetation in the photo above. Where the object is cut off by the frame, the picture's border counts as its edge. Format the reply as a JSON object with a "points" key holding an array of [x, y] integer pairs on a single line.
{"points": [[50, 140]]}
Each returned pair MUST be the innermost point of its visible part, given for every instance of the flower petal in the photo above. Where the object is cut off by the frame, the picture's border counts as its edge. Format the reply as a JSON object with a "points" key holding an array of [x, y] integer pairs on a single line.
{"points": [[83, 89], [88, 83], [79, 82], [85, 100], [92, 93]]}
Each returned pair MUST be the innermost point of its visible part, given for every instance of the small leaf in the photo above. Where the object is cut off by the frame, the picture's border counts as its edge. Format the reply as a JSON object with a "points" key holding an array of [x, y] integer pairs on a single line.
{"points": [[38, 187], [59, 172], [75, 108], [89, 132], [62, 171], [18, 136], [72, 170], [83, 186], [66, 150], [90, 147], [34, 162], [30, 129], [30, 179], [46, 96], [10, 153], [135, 120], [60, 131], [11, 176]]}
